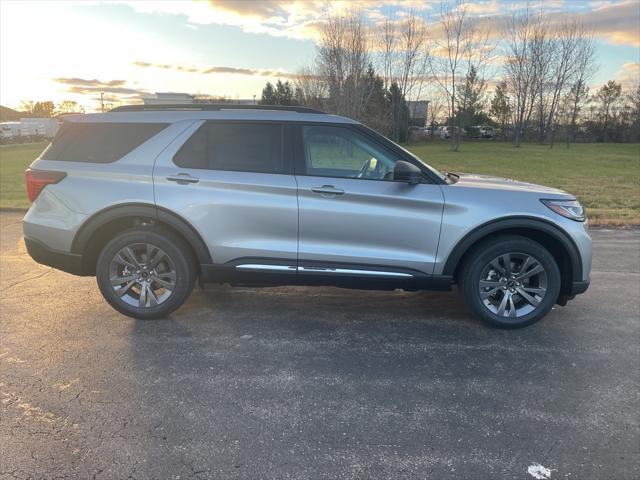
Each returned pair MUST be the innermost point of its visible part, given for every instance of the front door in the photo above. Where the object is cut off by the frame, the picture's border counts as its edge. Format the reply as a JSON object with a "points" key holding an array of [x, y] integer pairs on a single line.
{"points": [[354, 218]]}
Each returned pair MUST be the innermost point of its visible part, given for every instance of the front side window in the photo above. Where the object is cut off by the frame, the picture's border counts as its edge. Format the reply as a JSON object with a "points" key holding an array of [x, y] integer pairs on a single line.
{"points": [[243, 147], [340, 152]]}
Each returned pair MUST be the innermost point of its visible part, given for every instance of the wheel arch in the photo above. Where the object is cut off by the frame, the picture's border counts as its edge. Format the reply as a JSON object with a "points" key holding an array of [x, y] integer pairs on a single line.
{"points": [[103, 225], [559, 244]]}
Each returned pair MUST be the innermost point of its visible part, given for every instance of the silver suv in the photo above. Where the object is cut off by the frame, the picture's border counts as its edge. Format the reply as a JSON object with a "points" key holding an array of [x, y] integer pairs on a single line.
{"points": [[151, 198]]}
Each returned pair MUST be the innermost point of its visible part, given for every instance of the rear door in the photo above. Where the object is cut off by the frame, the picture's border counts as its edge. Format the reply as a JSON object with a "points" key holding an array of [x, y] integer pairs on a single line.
{"points": [[354, 218], [233, 181]]}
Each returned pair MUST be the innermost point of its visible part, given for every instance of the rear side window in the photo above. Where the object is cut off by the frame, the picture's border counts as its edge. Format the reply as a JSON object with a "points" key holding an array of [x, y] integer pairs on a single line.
{"points": [[243, 147], [99, 142]]}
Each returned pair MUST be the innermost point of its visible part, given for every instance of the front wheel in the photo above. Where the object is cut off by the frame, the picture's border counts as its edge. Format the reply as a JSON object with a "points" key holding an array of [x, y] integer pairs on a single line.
{"points": [[510, 282], [145, 272]]}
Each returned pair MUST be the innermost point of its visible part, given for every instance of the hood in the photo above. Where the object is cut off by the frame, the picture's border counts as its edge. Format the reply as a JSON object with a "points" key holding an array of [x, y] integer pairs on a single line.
{"points": [[470, 180]]}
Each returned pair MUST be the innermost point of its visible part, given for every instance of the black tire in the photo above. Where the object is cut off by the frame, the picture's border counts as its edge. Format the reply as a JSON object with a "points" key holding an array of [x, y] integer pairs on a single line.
{"points": [[178, 253], [477, 262]]}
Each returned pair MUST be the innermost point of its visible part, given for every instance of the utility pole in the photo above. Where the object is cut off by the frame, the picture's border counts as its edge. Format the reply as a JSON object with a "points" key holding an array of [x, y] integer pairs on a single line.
{"points": [[102, 101]]}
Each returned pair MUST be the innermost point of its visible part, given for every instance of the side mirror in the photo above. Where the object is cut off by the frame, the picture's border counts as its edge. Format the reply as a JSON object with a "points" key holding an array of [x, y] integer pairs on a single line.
{"points": [[407, 172]]}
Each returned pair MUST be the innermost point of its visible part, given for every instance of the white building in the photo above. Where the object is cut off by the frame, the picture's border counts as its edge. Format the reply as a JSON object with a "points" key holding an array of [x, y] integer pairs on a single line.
{"points": [[41, 126], [174, 98], [169, 98], [418, 111]]}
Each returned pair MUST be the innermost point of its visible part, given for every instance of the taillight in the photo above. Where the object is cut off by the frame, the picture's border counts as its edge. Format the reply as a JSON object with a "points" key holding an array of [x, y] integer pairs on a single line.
{"points": [[36, 180]]}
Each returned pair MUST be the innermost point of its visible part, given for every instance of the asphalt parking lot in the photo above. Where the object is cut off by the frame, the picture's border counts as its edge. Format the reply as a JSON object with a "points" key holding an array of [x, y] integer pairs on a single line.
{"points": [[316, 383]]}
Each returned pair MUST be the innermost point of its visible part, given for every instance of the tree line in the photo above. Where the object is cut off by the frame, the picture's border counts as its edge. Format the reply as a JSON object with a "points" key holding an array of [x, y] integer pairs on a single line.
{"points": [[48, 108], [530, 80]]}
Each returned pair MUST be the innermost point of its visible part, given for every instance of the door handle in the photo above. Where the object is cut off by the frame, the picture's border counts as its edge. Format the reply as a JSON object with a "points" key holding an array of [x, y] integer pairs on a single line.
{"points": [[327, 190], [183, 178]]}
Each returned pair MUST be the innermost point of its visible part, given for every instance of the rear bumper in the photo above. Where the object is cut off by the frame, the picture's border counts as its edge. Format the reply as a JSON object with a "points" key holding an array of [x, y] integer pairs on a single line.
{"points": [[41, 253]]}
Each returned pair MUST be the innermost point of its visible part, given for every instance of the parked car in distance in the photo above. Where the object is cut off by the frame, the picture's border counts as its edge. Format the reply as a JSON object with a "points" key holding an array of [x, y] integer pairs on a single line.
{"points": [[446, 132], [481, 131], [486, 131], [150, 198], [417, 134]]}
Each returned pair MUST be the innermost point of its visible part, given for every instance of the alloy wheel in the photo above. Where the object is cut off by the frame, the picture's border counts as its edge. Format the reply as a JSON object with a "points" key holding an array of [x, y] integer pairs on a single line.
{"points": [[513, 285], [142, 275]]}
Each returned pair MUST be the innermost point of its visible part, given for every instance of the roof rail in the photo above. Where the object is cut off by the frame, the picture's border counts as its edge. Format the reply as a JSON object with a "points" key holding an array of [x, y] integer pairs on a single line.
{"points": [[212, 107]]}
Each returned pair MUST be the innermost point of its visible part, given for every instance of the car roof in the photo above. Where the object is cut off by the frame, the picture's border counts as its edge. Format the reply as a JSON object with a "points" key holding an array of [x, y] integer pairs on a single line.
{"points": [[172, 116]]}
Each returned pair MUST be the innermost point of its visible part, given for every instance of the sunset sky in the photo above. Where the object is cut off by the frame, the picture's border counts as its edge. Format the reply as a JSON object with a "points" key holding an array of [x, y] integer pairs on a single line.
{"points": [[75, 50]]}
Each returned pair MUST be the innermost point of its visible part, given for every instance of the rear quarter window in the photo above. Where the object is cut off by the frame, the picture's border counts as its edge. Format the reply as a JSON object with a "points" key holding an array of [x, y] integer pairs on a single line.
{"points": [[99, 142]]}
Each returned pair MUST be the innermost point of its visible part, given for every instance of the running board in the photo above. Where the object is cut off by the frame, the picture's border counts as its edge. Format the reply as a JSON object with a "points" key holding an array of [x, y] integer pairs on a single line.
{"points": [[325, 270], [266, 272]]}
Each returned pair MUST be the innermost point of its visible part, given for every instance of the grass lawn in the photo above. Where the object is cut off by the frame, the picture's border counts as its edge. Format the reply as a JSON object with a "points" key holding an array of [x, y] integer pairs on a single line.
{"points": [[604, 177], [14, 160]]}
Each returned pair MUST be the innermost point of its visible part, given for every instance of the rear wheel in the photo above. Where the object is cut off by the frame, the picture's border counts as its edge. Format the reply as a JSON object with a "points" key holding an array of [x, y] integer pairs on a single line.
{"points": [[510, 282], [145, 273]]}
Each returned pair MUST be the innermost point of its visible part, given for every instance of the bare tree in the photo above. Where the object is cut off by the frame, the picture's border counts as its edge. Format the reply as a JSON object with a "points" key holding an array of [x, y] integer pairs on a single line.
{"points": [[525, 65], [387, 46], [434, 112], [542, 58], [403, 53], [545, 63], [579, 91], [69, 106], [310, 88], [414, 54], [463, 47], [572, 60], [343, 55], [608, 96]]}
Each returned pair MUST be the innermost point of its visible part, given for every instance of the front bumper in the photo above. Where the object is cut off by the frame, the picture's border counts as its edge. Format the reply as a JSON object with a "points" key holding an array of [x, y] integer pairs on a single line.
{"points": [[41, 253], [579, 287], [576, 289]]}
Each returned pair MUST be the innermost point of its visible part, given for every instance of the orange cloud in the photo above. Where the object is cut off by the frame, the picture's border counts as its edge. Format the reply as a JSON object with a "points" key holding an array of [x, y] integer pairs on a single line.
{"points": [[217, 69], [91, 86], [618, 23], [629, 74]]}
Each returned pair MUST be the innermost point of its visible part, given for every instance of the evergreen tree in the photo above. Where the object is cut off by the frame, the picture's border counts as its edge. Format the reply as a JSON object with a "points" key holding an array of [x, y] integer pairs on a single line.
{"points": [[471, 100], [399, 114], [268, 95], [500, 109], [284, 94], [375, 102]]}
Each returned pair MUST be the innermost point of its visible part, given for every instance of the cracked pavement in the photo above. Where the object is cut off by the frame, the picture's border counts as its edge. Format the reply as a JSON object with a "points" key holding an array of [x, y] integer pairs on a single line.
{"points": [[315, 382]]}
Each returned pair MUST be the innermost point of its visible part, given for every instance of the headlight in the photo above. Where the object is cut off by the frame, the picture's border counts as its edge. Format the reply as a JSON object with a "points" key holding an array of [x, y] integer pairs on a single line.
{"points": [[570, 209]]}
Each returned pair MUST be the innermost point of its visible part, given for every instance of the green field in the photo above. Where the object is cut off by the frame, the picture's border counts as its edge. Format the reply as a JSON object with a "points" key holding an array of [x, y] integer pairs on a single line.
{"points": [[14, 159], [604, 177]]}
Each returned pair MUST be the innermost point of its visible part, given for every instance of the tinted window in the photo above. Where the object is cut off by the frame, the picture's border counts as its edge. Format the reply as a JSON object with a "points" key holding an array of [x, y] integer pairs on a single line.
{"points": [[99, 142], [193, 153], [341, 152], [244, 147]]}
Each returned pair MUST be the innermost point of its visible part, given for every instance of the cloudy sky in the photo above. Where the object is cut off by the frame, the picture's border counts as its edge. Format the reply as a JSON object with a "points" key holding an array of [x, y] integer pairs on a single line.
{"points": [[76, 50]]}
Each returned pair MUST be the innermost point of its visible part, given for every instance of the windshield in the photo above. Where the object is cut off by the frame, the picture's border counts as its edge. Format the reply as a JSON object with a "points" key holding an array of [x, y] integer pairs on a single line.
{"points": [[440, 175]]}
